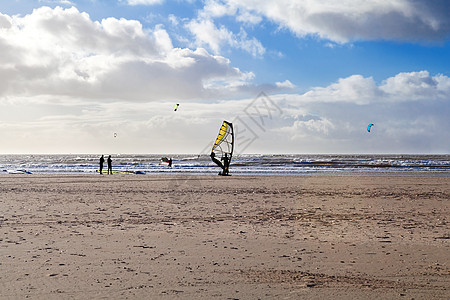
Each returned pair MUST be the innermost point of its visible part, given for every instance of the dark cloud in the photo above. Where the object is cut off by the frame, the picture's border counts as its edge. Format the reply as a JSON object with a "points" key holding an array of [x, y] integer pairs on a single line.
{"points": [[343, 21]]}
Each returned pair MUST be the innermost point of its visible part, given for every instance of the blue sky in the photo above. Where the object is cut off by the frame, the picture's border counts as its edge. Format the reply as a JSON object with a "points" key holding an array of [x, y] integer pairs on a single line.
{"points": [[74, 73]]}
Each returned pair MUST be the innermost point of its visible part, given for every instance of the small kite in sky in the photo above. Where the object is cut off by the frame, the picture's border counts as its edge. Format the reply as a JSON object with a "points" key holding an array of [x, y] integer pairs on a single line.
{"points": [[115, 134], [369, 127], [176, 107]]}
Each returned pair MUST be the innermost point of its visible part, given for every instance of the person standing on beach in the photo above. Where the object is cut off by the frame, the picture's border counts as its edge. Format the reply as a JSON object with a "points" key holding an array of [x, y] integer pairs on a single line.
{"points": [[102, 160], [109, 165]]}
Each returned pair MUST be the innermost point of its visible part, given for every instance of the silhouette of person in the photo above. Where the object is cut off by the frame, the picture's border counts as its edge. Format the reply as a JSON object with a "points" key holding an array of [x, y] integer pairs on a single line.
{"points": [[102, 160], [109, 165], [218, 162], [226, 164]]}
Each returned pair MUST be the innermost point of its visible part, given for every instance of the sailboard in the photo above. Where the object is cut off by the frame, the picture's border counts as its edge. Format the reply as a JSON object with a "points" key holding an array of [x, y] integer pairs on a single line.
{"points": [[223, 147], [123, 171], [17, 171], [165, 161]]}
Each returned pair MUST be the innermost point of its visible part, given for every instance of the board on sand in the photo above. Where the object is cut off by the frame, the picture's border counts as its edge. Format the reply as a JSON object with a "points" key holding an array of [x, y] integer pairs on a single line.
{"points": [[17, 171], [126, 172]]}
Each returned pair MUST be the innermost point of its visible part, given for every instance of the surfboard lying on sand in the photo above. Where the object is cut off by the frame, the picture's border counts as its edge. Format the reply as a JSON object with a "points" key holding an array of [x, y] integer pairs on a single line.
{"points": [[121, 171], [17, 171]]}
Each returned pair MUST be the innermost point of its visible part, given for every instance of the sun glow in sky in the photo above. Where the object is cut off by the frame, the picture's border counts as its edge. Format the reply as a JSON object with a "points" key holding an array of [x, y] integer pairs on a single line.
{"points": [[103, 76]]}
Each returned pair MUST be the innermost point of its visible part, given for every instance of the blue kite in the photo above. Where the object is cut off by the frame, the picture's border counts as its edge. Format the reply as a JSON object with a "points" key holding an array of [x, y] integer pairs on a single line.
{"points": [[368, 127]]}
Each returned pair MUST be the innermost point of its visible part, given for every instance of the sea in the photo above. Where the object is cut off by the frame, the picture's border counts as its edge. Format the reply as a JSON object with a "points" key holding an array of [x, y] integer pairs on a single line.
{"points": [[247, 164]]}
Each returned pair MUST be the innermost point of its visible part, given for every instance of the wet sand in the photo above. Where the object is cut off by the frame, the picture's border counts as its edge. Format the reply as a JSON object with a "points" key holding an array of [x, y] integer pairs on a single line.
{"points": [[212, 237]]}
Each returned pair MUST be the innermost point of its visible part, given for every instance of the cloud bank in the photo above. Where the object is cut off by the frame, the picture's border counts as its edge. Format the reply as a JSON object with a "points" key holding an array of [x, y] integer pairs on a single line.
{"points": [[344, 21], [410, 112], [67, 83], [206, 33], [63, 52], [404, 87]]}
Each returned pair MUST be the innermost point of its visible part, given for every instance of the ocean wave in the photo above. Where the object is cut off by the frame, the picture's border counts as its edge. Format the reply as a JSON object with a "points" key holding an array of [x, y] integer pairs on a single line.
{"points": [[241, 164]]}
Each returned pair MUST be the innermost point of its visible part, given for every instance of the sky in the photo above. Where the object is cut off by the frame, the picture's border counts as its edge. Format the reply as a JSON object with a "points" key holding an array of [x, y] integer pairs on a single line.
{"points": [[293, 76]]}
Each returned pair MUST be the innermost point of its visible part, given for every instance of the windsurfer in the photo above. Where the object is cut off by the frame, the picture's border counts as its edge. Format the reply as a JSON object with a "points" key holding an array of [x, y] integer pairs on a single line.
{"points": [[224, 166], [218, 162], [223, 146]]}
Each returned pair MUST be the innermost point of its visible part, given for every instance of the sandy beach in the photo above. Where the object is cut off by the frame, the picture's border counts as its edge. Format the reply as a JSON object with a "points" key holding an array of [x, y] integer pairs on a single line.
{"points": [[212, 237]]}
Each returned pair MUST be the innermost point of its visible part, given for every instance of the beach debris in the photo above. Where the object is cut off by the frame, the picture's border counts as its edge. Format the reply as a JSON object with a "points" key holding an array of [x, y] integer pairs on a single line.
{"points": [[145, 247]]}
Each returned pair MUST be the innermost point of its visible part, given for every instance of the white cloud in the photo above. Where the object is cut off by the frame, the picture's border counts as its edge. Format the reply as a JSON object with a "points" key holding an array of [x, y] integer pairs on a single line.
{"points": [[59, 71], [303, 123], [285, 84], [309, 128], [207, 34], [250, 45], [173, 20], [343, 21], [402, 87], [144, 2], [63, 52], [417, 85], [333, 20], [64, 2], [355, 88], [216, 9], [409, 111], [247, 17]]}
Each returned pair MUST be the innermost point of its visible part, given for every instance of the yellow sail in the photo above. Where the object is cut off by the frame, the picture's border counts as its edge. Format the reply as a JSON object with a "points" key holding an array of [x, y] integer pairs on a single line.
{"points": [[224, 143]]}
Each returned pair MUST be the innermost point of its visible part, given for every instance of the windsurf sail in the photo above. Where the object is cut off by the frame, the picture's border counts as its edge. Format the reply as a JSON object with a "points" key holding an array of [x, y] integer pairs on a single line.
{"points": [[223, 147]]}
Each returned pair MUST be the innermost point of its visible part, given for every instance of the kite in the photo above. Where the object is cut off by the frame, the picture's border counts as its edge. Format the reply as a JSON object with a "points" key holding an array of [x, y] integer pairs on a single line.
{"points": [[176, 107], [369, 127]]}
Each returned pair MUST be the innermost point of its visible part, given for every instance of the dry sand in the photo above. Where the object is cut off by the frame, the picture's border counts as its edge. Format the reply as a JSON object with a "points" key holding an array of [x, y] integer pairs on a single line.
{"points": [[210, 237]]}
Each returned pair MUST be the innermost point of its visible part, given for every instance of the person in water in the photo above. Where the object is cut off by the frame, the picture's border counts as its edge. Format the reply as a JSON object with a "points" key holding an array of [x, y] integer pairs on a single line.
{"points": [[224, 166], [109, 165], [102, 160]]}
